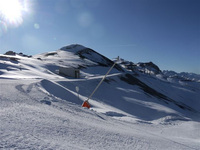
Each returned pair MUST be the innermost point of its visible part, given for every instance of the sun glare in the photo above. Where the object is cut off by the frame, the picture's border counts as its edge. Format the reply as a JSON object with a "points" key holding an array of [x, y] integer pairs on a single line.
{"points": [[11, 11]]}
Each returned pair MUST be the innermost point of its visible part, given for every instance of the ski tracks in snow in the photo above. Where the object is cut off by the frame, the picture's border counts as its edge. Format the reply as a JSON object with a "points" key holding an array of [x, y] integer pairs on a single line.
{"points": [[26, 123], [22, 88]]}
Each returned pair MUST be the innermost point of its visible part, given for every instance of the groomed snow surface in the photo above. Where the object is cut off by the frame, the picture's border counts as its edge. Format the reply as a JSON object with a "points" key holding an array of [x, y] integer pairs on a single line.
{"points": [[40, 109], [32, 118]]}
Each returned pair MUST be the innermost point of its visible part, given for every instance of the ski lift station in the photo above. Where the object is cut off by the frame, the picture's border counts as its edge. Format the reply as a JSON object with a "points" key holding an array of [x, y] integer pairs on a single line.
{"points": [[71, 72]]}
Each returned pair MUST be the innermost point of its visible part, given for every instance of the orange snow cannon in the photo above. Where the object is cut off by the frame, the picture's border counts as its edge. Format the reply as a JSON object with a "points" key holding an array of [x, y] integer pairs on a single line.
{"points": [[86, 104]]}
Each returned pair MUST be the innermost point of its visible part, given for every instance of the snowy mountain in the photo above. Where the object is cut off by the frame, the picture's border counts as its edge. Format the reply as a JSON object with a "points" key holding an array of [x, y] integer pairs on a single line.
{"points": [[184, 76], [138, 106]]}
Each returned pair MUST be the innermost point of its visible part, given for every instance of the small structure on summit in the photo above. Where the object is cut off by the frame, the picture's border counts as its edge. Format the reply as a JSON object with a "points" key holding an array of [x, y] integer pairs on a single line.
{"points": [[71, 72]]}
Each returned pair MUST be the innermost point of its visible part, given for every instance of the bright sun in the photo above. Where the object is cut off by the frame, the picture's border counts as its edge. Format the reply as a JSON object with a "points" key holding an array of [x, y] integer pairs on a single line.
{"points": [[11, 11]]}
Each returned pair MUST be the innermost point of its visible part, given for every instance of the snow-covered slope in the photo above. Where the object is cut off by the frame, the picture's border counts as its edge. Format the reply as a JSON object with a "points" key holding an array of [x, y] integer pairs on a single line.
{"points": [[144, 108]]}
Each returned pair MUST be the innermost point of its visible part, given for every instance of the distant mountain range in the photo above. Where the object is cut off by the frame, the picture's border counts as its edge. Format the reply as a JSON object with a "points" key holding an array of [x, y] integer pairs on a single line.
{"points": [[152, 69]]}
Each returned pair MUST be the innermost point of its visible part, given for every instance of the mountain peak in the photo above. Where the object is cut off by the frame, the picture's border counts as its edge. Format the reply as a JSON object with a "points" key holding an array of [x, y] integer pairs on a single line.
{"points": [[73, 47], [150, 67]]}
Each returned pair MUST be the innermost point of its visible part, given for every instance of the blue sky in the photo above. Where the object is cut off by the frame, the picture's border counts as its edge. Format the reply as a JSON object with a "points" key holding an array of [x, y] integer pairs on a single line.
{"points": [[166, 32]]}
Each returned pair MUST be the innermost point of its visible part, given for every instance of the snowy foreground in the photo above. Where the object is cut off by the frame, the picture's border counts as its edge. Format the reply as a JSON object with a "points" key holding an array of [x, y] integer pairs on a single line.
{"points": [[40, 109]]}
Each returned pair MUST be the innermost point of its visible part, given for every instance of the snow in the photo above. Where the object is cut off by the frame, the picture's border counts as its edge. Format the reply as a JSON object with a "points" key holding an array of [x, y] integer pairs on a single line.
{"points": [[39, 109]]}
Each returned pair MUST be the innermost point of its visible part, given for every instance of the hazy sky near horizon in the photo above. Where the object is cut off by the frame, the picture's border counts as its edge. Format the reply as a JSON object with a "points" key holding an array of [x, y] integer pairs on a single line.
{"points": [[166, 32]]}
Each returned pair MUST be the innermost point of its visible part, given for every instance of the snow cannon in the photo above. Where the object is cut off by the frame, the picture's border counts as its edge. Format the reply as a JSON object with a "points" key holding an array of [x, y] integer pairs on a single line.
{"points": [[86, 104]]}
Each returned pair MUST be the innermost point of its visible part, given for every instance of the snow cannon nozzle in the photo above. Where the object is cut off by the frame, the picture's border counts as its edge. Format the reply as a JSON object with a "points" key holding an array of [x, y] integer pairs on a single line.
{"points": [[86, 104]]}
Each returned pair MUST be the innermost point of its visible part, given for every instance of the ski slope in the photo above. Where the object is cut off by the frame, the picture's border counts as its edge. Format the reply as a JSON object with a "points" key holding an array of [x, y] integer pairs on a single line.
{"points": [[39, 109]]}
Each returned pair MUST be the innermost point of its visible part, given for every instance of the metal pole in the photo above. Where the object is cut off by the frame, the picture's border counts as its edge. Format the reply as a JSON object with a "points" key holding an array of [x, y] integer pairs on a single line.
{"points": [[101, 81]]}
